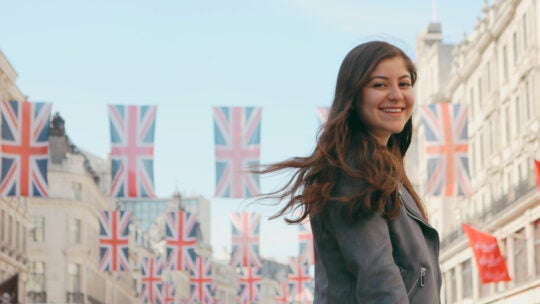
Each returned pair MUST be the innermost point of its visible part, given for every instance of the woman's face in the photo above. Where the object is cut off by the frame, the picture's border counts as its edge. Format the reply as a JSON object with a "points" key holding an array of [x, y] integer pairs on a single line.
{"points": [[387, 99]]}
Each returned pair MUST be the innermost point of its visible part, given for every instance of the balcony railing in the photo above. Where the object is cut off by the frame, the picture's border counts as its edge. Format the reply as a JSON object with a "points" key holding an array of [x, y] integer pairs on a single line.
{"points": [[93, 300], [75, 297], [498, 205], [36, 297]]}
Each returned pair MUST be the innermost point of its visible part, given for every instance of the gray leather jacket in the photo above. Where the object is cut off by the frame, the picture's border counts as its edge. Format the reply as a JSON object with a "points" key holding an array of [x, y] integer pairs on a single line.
{"points": [[374, 260]]}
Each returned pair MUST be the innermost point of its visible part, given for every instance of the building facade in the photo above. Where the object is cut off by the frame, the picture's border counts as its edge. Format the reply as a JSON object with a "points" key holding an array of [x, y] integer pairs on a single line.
{"points": [[496, 72], [63, 233], [13, 211]]}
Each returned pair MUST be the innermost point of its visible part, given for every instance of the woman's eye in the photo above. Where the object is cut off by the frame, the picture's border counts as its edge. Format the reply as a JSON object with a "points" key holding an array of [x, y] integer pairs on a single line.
{"points": [[405, 84], [378, 85]]}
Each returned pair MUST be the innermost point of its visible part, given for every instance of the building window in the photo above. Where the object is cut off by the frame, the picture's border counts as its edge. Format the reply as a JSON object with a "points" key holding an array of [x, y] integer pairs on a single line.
{"points": [[520, 256], [480, 92], [537, 245], [18, 238], [77, 190], [492, 132], [481, 147], [506, 122], [488, 75], [517, 117], [472, 102], [502, 246], [453, 286], [466, 277], [515, 46], [505, 62], [35, 288], [75, 231], [528, 100], [36, 231], [524, 22], [74, 278], [9, 233]]}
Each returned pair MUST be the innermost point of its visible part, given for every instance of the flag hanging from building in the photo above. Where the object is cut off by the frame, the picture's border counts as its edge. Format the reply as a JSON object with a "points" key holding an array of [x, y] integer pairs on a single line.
{"points": [[322, 114], [250, 285], [151, 280], [9, 290], [490, 262], [201, 280], [445, 127], [245, 239], [167, 290], [282, 292], [300, 282], [537, 170], [24, 148], [237, 133], [305, 239], [113, 240], [132, 150], [180, 239]]}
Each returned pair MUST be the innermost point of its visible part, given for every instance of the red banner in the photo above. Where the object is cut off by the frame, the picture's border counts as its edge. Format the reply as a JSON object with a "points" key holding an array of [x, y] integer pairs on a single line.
{"points": [[490, 262]]}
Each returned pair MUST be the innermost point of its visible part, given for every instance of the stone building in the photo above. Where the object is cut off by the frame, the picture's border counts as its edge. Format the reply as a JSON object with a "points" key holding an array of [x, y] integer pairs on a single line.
{"points": [[13, 211], [496, 72]]}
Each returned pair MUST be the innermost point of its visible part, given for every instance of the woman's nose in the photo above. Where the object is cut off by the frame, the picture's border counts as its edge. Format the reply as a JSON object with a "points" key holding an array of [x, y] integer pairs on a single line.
{"points": [[395, 93]]}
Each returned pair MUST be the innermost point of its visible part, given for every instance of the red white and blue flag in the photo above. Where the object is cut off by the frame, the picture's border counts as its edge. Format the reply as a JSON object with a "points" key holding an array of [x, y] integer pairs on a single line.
{"points": [[132, 150], [445, 127], [322, 114], [305, 239], [237, 133], [152, 282], [201, 283], [24, 148], [300, 282], [113, 240], [245, 239], [250, 285], [167, 290], [282, 292], [180, 239]]}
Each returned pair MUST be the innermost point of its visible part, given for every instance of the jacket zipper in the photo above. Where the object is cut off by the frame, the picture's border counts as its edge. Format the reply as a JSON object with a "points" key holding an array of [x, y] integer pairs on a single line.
{"points": [[420, 280]]}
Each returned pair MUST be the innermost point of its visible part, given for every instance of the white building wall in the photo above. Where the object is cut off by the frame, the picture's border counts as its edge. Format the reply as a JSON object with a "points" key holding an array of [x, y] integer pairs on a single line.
{"points": [[495, 70], [13, 211]]}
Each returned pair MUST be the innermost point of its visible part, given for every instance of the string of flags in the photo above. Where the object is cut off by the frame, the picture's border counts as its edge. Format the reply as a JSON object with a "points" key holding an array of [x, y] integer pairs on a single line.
{"points": [[24, 149], [25, 133]]}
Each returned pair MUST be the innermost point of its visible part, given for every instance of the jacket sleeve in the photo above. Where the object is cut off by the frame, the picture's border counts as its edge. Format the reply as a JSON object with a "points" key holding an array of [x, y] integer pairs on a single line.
{"points": [[367, 251]]}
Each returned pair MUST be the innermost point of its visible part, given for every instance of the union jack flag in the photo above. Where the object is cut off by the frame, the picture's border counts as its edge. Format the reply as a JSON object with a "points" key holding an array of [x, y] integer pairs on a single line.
{"points": [[201, 283], [300, 282], [245, 239], [167, 289], [250, 285], [447, 149], [24, 149], [322, 114], [132, 150], [305, 238], [113, 240], [152, 283], [180, 238], [282, 292], [237, 137]]}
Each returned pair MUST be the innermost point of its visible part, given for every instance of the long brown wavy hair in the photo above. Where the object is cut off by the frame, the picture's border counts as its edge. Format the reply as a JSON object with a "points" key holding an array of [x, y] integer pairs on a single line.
{"points": [[345, 150]]}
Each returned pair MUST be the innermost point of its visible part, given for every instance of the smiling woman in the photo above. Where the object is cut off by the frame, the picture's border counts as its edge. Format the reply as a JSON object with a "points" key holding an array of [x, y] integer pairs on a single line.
{"points": [[372, 241], [387, 100]]}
